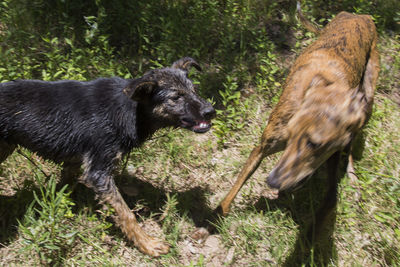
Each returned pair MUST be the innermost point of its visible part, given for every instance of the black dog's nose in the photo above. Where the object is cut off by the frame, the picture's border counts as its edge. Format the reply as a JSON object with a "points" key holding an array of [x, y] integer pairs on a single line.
{"points": [[208, 113]]}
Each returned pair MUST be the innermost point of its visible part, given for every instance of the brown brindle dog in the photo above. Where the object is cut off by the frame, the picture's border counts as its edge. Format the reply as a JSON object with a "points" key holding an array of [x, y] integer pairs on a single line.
{"points": [[327, 98]]}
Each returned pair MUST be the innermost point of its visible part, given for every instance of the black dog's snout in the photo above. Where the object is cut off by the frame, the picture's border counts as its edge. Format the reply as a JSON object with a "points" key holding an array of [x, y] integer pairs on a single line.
{"points": [[208, 113]]}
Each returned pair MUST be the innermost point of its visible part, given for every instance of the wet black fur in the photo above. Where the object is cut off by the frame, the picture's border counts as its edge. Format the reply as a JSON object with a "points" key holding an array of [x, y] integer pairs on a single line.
{"points": [[98, 121]]}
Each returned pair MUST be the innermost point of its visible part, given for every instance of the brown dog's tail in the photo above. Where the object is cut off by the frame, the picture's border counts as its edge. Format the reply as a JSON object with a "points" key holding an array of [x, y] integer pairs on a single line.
{"points": [[305, 22]]}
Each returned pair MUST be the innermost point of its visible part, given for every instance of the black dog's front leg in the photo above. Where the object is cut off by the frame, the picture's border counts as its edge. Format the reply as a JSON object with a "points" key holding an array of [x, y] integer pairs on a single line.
{"points": [[102, 183]]}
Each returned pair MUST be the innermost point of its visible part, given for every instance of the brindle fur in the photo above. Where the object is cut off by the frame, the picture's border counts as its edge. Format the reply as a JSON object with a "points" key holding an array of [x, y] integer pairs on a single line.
{"points": [[327, 98], [95, 123]]}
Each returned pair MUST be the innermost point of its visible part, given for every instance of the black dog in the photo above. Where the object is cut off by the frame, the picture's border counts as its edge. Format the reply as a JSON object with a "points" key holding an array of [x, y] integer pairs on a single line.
{"points": [[95, 123]]}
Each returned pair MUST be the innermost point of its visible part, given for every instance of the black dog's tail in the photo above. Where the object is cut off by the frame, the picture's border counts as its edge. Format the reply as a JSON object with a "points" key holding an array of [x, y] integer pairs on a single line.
{"points": [[305, 22]]}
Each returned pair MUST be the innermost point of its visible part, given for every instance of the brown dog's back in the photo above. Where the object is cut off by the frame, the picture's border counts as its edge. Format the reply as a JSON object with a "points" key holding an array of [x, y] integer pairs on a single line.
{"points": [[347, 39]]}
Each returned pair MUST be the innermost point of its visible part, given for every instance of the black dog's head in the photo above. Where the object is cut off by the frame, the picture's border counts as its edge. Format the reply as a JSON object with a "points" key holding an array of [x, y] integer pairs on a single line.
{"points": [[171, 97]]}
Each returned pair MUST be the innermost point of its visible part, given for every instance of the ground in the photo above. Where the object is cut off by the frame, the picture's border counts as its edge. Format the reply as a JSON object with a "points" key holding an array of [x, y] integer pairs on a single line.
{"points": [[175, 180]]}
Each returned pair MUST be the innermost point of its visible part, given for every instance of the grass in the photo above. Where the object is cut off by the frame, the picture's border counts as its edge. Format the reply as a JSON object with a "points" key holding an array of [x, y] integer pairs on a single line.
{"points": [[175, 180], [180, 176]]}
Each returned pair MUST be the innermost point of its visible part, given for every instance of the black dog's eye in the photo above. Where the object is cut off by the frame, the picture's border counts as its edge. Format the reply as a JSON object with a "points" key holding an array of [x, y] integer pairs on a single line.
{"points": [[312, 145], [176, 97]]}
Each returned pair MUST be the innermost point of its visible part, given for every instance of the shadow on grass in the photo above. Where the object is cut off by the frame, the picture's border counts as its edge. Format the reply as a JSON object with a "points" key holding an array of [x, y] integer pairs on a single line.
{"points": [[301, 205], [314, 243], [13, 208], [191, 203]]}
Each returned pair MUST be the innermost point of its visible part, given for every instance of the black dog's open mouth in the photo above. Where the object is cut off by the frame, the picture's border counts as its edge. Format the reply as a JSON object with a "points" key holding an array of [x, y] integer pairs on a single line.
{"points": [[196, 126]]}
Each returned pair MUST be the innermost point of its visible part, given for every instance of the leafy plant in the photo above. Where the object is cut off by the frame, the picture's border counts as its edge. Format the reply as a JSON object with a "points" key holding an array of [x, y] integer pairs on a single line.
{"points": [[45, 227], [266, 81], [232, 116]]}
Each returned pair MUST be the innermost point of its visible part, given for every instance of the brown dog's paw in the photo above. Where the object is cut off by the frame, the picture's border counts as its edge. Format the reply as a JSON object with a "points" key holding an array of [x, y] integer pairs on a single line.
{"points": [[270, 193], [221, 210], [152, 246]]}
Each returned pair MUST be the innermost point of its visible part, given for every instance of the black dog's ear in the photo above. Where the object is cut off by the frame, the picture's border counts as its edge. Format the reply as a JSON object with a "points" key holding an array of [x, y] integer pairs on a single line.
{"points": [[185, 64], [140, 89]]}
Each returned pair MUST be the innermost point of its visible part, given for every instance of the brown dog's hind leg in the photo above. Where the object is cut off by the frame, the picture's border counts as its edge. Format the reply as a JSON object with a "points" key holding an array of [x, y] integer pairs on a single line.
{"points": [[5, 150], [351, 171], [350, 164], [101, 181], [371, 76]]}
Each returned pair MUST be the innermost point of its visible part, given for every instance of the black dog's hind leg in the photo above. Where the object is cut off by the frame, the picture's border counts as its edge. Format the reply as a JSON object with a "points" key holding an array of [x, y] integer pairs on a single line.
{"points": [[98, 177], [5, 150]]}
